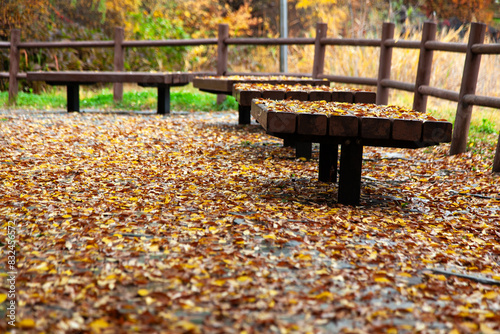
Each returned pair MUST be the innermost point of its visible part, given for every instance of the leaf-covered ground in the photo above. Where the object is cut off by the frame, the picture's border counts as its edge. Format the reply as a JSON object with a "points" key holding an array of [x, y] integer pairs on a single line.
{"points": [[190, 223]]}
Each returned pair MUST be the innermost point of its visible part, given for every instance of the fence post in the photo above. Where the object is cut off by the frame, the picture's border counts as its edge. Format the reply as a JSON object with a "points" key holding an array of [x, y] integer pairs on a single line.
{"points": [[424, 67], [468, 86], [384, 67], [222, 55], [15, 39], [496, 161], [119, 63], [319, 50]]}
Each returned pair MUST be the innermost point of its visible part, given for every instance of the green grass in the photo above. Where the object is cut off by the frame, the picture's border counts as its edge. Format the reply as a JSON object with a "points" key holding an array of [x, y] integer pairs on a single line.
{"points": [[182, 99]]}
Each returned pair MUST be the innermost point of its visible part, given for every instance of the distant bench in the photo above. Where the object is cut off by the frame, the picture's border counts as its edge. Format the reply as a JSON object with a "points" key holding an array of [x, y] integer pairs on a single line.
{"points": [[73, 79]]}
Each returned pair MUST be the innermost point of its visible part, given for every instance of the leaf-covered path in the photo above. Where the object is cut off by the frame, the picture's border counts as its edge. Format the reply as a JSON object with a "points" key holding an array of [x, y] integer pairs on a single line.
{"points": [[190, 223]]}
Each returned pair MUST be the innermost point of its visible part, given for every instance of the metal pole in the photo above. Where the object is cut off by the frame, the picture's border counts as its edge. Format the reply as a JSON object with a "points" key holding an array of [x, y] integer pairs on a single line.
{"points": [[283, 34]]}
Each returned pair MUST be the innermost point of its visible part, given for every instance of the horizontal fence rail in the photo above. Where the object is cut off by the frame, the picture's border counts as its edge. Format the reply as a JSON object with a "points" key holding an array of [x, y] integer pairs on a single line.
{"points": [[269, 41], [465, 98]]}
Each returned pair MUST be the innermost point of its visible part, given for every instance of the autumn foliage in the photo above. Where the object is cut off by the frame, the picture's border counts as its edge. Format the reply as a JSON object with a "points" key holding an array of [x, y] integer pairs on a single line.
{"points": [[192, 224]]}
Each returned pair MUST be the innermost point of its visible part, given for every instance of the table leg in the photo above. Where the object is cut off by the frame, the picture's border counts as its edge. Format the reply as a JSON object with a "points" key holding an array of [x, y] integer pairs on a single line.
{"points": [[163, 99], [73, 97], [303, 149], [328, 156], [243, 114], [351, 159]]}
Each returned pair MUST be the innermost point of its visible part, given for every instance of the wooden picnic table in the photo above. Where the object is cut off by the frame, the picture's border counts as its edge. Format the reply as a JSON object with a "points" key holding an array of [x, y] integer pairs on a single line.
{"points": [[73, 79], [352, 132], [224, 85]]}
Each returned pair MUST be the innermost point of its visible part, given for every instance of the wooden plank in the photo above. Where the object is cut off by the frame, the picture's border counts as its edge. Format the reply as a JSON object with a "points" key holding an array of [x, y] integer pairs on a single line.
{"points": [[343, 97], [437, 132], [259, 112], [297, 95], [271, 121], [404, 129], [343, 126], [213, 84], [364, 97], [320, 95], [245, 97], [274, 94], [312, 124], [375, 128], [281, 122], [92, 77]]}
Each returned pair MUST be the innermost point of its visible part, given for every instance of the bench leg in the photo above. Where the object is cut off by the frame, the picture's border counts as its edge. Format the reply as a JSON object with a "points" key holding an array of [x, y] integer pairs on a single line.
{"points": [[243, 114], [163, 99], [351, 159], [328, 156], [303, 149], [73, 97]]}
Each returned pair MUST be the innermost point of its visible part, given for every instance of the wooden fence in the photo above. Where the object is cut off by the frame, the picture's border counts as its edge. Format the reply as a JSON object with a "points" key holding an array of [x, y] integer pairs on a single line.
{"points": [[465, 98]]}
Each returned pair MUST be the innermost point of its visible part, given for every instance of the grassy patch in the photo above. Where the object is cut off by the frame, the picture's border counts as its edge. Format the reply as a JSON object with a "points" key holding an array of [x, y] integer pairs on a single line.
{"points": [[133, 99]]}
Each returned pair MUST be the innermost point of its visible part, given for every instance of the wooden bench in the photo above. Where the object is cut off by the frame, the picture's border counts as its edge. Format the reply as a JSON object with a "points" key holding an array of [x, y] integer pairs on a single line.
{"points": [[73, 79], [352, 132], [224, 85], [245, 92]]}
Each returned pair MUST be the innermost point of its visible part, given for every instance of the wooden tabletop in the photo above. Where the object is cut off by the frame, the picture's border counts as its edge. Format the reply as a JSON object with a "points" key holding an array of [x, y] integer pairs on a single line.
{"points": [[92, 77], [372, 131], [302, 93], [224, 85]]}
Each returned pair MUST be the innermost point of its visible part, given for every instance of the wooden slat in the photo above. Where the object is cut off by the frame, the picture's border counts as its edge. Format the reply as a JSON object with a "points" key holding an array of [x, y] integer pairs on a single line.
{"points": [[312, 124], [320, 95], [274, 94], [259, 112], [213, 84], [297, 95], [364, 97], [437, 132], [343, 126], [92, 77], [343, 97], [281, 122], [276, 122], [375, 128], [403, 129], [245, 97]]}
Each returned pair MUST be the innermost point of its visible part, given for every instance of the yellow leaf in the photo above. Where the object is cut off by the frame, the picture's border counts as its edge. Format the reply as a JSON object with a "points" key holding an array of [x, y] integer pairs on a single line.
{"points": [[324, 295], [490, 295], [219, 282], [269, 236], [143, 292], [98, 324], [27, 323], [485, 329], [188, 326], [3, 297], [382, 280], [242, 279], [404, 274]]}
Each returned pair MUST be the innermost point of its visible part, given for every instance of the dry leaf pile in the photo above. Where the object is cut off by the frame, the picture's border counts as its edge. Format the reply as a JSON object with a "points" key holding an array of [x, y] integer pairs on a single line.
{"points": [[192, 224]]}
